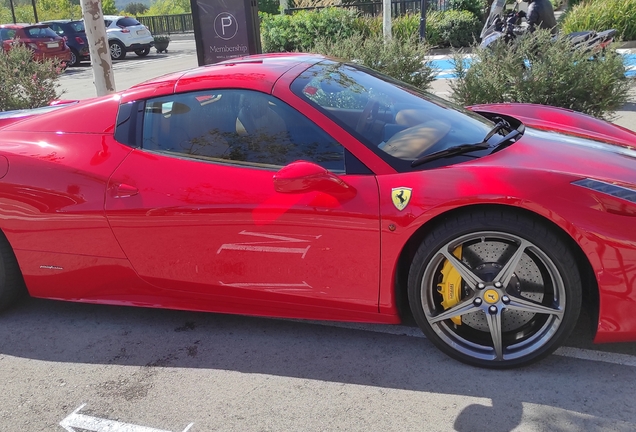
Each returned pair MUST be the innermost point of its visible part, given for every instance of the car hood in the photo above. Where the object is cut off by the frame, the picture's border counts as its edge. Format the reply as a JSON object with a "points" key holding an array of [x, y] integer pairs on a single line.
{"points": [[573, 156]]}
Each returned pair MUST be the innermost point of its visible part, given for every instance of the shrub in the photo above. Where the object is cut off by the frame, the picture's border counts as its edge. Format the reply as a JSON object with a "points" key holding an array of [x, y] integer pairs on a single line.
{"points": [[406, 26], [25, 83], [404, 60], [452, 28], [443, 28], [299, 32], [602, 15], [539, 70], [268, 6], [277, 34], [476, 7], [572, 3]]}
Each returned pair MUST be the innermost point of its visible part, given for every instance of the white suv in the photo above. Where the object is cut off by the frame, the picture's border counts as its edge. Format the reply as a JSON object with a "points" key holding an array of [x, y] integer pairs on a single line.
{"points": [[126, 34]]}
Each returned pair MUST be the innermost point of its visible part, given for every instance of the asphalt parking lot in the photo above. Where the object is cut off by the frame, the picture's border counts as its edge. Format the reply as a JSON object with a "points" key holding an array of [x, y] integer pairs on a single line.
{"points": [[81, 367]]}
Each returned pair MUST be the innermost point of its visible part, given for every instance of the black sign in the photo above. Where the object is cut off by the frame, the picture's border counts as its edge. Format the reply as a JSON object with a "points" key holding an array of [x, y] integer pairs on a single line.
{"points": [[225, 29]]}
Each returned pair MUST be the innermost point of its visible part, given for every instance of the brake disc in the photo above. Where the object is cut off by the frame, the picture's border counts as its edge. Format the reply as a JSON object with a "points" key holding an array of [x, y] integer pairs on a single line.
{"points": [[487, 258]]}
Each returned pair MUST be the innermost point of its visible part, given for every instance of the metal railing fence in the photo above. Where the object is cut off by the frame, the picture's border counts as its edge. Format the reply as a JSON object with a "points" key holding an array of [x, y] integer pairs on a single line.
{"points": [[374, 8], [168, 24]]}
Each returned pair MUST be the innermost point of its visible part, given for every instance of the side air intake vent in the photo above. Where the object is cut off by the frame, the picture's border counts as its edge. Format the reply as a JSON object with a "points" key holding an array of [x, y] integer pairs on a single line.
{"points": [[608, 189]]}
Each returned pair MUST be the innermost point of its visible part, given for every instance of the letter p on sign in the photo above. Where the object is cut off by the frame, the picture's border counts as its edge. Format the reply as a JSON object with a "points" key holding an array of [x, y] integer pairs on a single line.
{"points": [[226, 21]]}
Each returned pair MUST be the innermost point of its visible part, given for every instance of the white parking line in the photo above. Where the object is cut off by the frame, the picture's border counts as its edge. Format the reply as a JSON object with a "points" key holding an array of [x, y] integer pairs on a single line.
{"points": [[600, 356], [570, 352]]}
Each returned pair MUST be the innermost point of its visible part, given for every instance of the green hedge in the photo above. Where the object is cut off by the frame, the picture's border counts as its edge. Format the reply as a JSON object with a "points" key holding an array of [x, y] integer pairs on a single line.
{"points": [[269, 6], [602, 15], [452, 28], [476, 7], [300, 31]]}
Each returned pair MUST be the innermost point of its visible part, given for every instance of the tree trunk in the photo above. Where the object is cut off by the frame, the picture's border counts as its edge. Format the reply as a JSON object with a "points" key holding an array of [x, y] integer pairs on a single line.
{"points": [[103, 74]]}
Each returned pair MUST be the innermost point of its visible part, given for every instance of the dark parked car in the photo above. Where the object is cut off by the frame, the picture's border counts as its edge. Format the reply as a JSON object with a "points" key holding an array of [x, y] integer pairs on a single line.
{"points": [[44, 43], [73, 33]]}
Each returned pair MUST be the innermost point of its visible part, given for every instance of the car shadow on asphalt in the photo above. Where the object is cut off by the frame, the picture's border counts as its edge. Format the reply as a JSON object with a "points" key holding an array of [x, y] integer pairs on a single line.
{"points": [[55, 331]]}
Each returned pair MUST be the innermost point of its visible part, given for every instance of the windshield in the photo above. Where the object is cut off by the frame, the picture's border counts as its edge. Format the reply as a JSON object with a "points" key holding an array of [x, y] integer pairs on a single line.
{"points": [[496, 9], [128, 22], [40, 32], [398, 122]]}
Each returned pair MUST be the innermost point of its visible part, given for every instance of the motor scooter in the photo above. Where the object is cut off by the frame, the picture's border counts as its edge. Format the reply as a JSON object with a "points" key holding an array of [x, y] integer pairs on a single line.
{"points": [[505, 27]]}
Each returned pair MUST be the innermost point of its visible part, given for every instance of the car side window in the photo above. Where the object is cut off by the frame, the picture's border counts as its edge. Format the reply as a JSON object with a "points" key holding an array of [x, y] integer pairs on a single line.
{"points": [[57, 28], [237, 126], [7, 34]]}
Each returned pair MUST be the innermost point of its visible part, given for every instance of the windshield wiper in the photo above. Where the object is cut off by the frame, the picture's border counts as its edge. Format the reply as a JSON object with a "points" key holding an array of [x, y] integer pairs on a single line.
{"points": [[469, 148], [451, 151]]}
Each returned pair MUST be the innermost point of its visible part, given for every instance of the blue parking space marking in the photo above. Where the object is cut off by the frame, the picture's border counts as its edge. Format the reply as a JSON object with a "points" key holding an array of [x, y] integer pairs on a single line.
{"points": [[630, 62], [446, 68]]}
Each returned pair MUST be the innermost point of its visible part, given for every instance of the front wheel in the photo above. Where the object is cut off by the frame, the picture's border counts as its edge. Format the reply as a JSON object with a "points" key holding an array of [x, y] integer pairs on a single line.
{"points": [[117, 50], [494, 289]]}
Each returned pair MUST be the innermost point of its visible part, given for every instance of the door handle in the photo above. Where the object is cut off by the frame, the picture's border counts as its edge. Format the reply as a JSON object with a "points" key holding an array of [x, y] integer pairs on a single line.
{"points": [[122, 190]]}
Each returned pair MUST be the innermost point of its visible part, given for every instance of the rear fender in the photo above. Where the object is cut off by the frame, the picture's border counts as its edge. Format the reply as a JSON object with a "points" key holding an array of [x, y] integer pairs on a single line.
{"points": [[9, 117]]}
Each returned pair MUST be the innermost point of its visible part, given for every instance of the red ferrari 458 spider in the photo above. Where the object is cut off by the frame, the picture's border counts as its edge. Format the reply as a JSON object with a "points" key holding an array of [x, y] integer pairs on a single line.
{"points": [[302, 187]]}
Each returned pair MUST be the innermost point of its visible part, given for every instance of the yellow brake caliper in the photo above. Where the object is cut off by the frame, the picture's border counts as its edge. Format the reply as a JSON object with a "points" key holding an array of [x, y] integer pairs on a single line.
{"points": [[451, 286]]}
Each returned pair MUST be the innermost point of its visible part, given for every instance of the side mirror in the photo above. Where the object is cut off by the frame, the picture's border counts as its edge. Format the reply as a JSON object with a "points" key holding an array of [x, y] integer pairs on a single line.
{"points": [[301, 176]]}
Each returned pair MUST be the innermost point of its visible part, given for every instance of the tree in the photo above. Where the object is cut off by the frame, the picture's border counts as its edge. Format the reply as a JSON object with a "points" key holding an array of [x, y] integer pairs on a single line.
{"points": [[109, 8], [58, 9], [169, 7], [135, 8]]}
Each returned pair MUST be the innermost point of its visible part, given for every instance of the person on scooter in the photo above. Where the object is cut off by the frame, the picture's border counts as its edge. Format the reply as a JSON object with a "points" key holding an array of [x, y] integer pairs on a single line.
{"points": [[541, 15]]}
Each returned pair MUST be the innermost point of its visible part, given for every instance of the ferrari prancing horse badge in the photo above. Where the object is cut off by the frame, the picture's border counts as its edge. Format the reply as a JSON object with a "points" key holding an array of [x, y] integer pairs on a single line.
{"points": [[401, 197]]}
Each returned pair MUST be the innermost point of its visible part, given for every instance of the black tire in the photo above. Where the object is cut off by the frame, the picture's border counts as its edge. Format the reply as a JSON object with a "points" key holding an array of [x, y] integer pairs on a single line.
{"points": [[143, 52], [11, 282], [117, 50], [75, 58], [520, 288]]}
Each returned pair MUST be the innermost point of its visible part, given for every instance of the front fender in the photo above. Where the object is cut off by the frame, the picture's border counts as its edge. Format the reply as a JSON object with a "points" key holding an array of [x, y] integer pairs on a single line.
{"points": [[561, 120]]}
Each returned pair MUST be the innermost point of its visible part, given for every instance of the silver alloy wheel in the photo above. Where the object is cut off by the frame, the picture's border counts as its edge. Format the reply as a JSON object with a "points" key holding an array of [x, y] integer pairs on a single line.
{"points": [[115, 50], [513, 299]]}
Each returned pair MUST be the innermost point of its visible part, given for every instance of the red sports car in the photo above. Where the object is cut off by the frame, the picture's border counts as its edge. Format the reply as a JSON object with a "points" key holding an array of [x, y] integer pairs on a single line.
{"points": [[299, 186]]}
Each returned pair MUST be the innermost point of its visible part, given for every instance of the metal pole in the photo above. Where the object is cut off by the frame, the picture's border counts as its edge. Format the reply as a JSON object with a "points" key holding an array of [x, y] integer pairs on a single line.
{"points": [[386, 19], [423, 7], [35, 12], [12, 11]]}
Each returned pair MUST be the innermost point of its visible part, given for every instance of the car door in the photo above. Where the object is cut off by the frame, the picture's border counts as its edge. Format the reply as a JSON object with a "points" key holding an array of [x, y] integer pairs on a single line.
{"points": [[212, 203]]}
